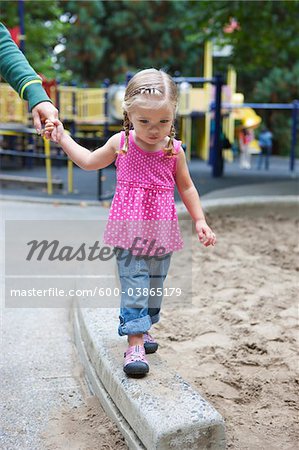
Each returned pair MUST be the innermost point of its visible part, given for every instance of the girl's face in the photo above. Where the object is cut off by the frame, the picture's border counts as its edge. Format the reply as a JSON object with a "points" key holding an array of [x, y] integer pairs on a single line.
{"points": [[152, 125]]}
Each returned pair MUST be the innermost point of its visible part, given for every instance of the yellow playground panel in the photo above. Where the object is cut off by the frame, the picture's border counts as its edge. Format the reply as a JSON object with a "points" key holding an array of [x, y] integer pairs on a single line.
{"points": [[91, 106], [66, 102], [82, 105], [12, 107]]}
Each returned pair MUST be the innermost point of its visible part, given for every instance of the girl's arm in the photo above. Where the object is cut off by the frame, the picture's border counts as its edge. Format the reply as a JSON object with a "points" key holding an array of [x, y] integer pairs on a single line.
{"points": [[87, 160], [190, 197]]}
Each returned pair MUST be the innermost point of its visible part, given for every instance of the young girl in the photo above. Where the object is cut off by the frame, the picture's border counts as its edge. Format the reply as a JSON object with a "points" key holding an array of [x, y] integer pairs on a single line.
{"points": [[143, 224], [246, 136]]}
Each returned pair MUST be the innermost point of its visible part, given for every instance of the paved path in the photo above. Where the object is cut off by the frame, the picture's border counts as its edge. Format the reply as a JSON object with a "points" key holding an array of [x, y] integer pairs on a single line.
{"points": [[42, 382]]}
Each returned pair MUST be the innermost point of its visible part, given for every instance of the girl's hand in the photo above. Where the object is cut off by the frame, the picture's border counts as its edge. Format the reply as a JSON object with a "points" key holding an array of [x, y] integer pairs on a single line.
{"points": [[54, 130], [204, 232]]}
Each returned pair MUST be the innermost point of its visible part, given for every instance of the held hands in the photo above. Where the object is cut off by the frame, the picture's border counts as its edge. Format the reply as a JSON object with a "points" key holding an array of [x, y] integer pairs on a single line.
{"points": [[54, 130], [204, 232], [41, 112]]}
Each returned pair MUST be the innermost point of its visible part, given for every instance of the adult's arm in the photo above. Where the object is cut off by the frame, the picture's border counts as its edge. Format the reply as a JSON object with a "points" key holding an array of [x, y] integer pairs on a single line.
{"points": [[16, 70]]}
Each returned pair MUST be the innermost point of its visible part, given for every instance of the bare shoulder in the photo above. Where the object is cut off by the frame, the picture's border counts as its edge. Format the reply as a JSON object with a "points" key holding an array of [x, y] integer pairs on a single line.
{"points": [[114, 142], [182, 178], [181, 157], [106, 155]]}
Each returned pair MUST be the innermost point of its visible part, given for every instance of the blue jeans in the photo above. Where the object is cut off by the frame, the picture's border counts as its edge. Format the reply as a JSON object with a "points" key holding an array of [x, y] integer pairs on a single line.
{"points": [[264, 153], [141, 280]]}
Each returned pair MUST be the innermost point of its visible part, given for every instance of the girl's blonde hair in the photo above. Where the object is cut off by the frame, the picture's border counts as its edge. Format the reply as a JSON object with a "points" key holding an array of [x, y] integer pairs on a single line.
{"points": [[150, 84]]}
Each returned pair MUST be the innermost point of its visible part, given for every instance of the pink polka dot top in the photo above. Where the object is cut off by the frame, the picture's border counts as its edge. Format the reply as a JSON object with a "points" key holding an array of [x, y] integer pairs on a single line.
{"points": [[143, 215]]}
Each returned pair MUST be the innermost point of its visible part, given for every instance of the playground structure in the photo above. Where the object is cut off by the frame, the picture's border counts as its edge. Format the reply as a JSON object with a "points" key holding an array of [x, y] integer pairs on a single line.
{"points": [[98, 112], [207, 107]]}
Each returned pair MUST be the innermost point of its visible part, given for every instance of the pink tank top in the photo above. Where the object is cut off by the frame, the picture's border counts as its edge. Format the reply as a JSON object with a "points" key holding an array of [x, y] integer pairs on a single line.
{"points": [[143, 214]]}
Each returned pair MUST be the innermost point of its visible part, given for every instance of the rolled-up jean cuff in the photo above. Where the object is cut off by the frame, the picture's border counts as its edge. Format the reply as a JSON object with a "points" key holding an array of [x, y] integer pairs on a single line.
{"points": [[135, 326], [155, 318]]}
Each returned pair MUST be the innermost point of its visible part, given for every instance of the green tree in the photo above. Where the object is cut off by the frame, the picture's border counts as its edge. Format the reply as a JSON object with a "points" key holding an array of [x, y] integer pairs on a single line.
{"points": [[109, 38], [105, 39], [43, 31], [265, 49], [281, 85], [267, 36]]}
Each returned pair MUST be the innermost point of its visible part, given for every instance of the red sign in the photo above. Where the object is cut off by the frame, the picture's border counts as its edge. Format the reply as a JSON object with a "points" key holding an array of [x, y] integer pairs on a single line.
{"points": [[15, 34]]}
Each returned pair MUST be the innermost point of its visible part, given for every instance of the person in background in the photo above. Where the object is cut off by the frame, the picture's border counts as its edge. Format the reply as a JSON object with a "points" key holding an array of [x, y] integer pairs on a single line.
{"points": [[246, 136], [265, 142], [16, 70]]}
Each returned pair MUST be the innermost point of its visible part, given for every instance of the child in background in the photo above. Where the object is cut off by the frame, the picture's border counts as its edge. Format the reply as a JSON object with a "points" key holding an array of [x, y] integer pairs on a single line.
{"points": [[143, 224], [265, 142], [246, 136]]}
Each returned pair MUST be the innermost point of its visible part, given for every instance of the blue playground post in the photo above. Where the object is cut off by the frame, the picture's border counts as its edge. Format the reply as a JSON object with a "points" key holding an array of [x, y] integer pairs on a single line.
{"points": [[217, 158], [129, 75], [106, 84], [21, 11], [294, 134]]}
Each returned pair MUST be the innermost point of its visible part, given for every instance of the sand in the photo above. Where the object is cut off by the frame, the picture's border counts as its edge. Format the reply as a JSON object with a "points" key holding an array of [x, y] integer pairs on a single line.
{"points": [[237, 342], [84, 427], [80, 422]]}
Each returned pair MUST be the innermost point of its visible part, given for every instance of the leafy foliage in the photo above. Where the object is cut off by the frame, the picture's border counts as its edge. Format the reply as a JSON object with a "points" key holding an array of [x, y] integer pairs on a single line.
{"points": [[108, 39], [281, 85], [265, 49], [43, 31], [267, 36]]}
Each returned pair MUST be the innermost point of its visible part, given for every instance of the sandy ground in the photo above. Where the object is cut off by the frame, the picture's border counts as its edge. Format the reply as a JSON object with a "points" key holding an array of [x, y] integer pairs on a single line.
{"points": [[83, 425], [236, 343]]}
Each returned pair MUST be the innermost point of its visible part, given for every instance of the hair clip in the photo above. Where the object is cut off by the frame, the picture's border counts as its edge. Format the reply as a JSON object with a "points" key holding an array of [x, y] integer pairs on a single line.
{"points": [[151, 91]]}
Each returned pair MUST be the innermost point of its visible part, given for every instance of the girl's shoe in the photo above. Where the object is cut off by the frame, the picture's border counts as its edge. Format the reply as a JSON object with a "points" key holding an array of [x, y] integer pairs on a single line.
{"points": [[135, 361], [150, 345]]}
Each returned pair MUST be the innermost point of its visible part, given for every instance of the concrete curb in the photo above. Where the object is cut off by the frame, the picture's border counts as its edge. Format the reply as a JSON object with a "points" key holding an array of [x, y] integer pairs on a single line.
{"points": [[29, 181], [162, 409], [220, 204], [49, 201], [181, 209]]}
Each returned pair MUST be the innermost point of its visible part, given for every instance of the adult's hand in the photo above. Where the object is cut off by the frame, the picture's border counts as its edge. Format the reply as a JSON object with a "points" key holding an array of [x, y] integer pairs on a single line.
{"points": [[41, 112]]}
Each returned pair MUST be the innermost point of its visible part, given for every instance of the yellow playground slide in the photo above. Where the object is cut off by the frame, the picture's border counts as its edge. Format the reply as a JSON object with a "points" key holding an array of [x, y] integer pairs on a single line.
{"points": [[249, 119]]}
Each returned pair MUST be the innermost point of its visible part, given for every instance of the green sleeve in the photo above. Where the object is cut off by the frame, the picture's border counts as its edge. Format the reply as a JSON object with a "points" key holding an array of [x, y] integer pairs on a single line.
{"points": [[16, 70]]}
